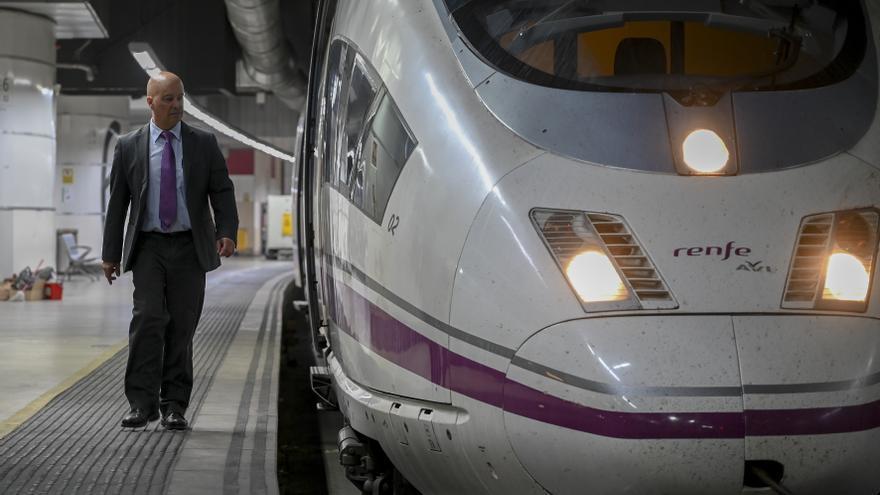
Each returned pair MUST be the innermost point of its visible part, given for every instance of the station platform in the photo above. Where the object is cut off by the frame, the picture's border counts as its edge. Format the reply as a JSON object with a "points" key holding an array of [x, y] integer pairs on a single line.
{"points": [[61, 395]]}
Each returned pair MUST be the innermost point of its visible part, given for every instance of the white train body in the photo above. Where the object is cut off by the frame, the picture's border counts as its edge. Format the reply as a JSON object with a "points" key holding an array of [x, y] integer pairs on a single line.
{"points": [[458, 343]]}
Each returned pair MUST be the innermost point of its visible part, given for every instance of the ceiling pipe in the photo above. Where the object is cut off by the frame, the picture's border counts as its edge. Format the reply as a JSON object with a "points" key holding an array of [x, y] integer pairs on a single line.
{"points": [[267, 58], [88, 69]]}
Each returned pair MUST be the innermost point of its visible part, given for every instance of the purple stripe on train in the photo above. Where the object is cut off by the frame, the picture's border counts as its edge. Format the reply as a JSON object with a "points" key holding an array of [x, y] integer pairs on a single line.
{"points": [[409, 349], [816, 421]]}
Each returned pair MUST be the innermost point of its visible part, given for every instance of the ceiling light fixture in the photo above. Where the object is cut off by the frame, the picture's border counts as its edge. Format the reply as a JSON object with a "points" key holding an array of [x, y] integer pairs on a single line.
{"points": [[148, 61]]}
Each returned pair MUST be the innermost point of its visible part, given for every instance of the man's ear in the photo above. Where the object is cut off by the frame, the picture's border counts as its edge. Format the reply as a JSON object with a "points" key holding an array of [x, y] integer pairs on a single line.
{"points": [[150, 101]]}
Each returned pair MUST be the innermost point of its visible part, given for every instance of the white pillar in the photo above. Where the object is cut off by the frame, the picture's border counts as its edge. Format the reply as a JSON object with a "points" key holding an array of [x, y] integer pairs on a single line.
{"points": [[27, 141], [88, 127]]}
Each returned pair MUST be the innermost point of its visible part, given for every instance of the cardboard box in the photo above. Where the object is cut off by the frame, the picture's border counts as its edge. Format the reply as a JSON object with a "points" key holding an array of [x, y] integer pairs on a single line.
{"points": [[5, 293], [37, 292]]}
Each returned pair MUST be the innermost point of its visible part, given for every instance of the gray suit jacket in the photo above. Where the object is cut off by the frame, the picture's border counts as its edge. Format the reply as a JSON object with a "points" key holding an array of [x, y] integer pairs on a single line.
{"points": [[206, 179]]}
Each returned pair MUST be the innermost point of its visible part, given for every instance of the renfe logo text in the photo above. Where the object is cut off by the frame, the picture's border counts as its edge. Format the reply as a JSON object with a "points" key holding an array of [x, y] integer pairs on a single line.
{"points": [[725, 251]]}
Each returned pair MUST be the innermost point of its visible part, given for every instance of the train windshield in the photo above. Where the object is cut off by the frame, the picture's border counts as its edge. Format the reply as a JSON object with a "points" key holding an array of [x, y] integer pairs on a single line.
{"points": [[644, 45]]}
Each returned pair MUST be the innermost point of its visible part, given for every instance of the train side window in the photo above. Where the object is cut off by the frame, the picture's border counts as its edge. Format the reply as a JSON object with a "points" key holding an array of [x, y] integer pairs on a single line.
{"points": [[331, 110], [367, 140], [361, 94], [388, 145]]}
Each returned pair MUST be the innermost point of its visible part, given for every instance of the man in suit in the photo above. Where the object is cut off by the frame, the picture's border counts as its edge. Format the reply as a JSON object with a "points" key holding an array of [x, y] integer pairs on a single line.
{"points": [[166, 172]]}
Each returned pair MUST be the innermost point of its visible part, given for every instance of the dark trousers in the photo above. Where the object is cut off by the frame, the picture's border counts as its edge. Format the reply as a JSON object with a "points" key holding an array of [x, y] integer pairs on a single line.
{"points": [[169, 292]]}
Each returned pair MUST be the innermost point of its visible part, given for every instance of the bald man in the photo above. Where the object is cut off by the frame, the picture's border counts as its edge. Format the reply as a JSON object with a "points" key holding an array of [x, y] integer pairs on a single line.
{"points": [[164, 176]]}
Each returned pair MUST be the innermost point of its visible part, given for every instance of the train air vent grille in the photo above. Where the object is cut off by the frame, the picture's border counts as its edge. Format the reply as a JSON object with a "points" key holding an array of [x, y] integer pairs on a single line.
{"points": [[632, 261], [565, 236], [808, 262]]}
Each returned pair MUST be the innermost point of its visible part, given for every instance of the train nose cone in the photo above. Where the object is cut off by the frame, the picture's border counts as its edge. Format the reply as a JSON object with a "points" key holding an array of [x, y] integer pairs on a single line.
{"points": [[678, 404], [812, 398], [629, 405]]}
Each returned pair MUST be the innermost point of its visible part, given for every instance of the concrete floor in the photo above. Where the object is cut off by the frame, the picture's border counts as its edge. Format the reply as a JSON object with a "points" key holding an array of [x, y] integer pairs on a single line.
{"points": [[337, 483], [45, 346]]}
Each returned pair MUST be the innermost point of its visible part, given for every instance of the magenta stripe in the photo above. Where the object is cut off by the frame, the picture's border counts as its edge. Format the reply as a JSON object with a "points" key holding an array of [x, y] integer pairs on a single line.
{"points": [[407, 348], [389, 337], [525, 401], [817, 421], [476, 380]]}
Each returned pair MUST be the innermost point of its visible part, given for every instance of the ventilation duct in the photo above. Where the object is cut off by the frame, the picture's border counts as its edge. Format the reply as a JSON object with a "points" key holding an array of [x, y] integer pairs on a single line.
{"points": [[267, 58]]}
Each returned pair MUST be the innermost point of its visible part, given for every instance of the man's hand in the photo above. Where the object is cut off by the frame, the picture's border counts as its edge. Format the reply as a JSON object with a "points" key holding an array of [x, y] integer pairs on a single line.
{"points": [[111, 268], [225, 247]]}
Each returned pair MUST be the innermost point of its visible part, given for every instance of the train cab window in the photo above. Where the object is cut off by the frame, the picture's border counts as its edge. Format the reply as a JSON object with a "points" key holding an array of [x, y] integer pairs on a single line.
{"points": [[368, 140], [728, 45], [361, 94], [331, 110], [387, 146]]}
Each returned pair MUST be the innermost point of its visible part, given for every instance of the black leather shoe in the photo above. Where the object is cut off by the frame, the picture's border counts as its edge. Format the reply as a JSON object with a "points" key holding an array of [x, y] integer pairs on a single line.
{"points": [[174, 421], [138, 418]]}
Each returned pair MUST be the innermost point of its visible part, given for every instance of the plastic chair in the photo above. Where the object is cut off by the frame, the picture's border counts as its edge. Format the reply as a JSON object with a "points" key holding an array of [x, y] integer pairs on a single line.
{"points": [[79, 260]]}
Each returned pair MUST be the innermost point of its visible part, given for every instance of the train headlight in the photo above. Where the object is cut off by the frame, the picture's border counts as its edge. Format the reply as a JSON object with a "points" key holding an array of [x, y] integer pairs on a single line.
{"points": [[846, 278], [705, 152], [594, 278], [602, 260], [833, 261]]}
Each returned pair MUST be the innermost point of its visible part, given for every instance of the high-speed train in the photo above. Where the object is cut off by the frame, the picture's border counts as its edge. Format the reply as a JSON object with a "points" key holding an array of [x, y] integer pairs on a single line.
{"points": [[595, 247]]}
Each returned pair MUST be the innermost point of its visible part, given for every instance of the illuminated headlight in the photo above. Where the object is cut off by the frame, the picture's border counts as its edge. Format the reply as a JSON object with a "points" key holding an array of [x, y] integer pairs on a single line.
{"points": [[833, 261], [846, 278], [602, 260], [705, 152], [594, 278]]}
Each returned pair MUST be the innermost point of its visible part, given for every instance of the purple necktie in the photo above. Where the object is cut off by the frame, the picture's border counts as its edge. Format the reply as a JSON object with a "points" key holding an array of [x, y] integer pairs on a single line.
{"points": [[168, 185]]}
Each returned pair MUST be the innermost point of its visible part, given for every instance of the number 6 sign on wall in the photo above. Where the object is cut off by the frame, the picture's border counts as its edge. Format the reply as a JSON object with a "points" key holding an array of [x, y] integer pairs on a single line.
{"points": [[6, 90]]}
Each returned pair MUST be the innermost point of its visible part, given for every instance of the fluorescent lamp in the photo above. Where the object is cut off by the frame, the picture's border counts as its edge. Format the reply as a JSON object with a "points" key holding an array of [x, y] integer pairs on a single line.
{"points": [[148, 61], [144, 60]]}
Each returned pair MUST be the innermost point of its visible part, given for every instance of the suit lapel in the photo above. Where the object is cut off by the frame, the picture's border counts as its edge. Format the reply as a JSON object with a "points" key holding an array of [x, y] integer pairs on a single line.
{"points": [[187, 145], [142, 161]]}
